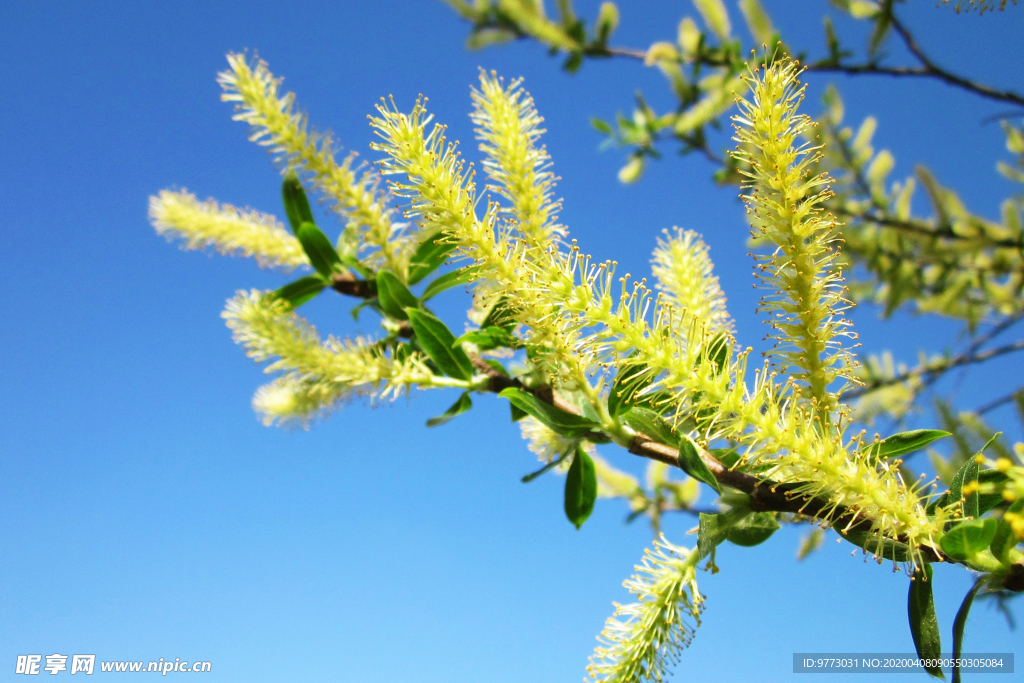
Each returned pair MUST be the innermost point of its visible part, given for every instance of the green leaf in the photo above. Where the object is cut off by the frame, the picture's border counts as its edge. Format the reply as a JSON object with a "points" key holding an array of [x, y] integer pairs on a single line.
{"points": [[831, 40], [489, 338], [436, 340], [368, 303], [692, 464], [448, 280], [555, 419], [966, 474], [500, 316], [968, 538], [319, 249], [517, 412], [580, 488], [652, 425], [753, 529], [886, 548], [302, 290], [582, 403], [905, 442], [460, 406], [554, 463], [718, 351], [924, 626], [496, 364], [296, 205], [628, 381], [960, 622], [601, 126], [348, 249], [727, 456], [987, 501], [394, 296], [1002, 541], [883, 22], [711, 531], [428, 257], [573, 63]]}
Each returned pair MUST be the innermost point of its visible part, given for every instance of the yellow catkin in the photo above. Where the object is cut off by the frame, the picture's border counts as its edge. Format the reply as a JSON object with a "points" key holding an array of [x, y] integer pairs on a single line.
{"points": [[276, 124], [179, 215]]}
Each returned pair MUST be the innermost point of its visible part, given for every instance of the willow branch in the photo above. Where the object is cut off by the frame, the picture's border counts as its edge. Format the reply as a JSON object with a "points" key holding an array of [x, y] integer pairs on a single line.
{"points": [[765, 495], [931, 69], [933, 371], [927, 68], [944, 231], [1001, 401]]}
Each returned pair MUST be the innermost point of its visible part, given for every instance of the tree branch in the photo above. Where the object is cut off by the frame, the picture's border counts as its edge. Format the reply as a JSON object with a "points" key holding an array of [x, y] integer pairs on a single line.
{"points": [[765, 495], [928, 68], [931, 69], [968, 357], [925, 230]]}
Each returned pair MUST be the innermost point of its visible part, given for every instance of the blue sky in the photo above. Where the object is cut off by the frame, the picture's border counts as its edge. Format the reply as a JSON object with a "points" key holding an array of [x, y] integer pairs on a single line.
{"points": [[146, 513]]}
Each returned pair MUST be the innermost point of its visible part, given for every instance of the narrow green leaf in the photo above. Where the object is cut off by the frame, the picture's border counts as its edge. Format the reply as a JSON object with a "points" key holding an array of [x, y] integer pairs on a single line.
{"points": [[348, 249], [557, 420], [987, 501], [959, 623], [394, 296], [968, 538], [368, 303], [460, 406], [319, 249], [692, 464], [1002, 541], [924, 626], [886, 548], [436, 340], [496, 364], [831, 40], [428, 257], [753, 529], [628, 381], [601, 126], [551, 465], [905, 442], [517, 412], [580, 488], [718, 351], [448, 280], [967, 474], [711, 531], [500, 316], [883, 22], [727, 456], [296, 205], [489, 338], [302, 290], [573, 63], [652, 425]]}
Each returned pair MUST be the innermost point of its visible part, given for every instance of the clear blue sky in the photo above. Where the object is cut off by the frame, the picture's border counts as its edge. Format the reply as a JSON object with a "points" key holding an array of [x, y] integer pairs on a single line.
{"points": [[146, 513]]}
